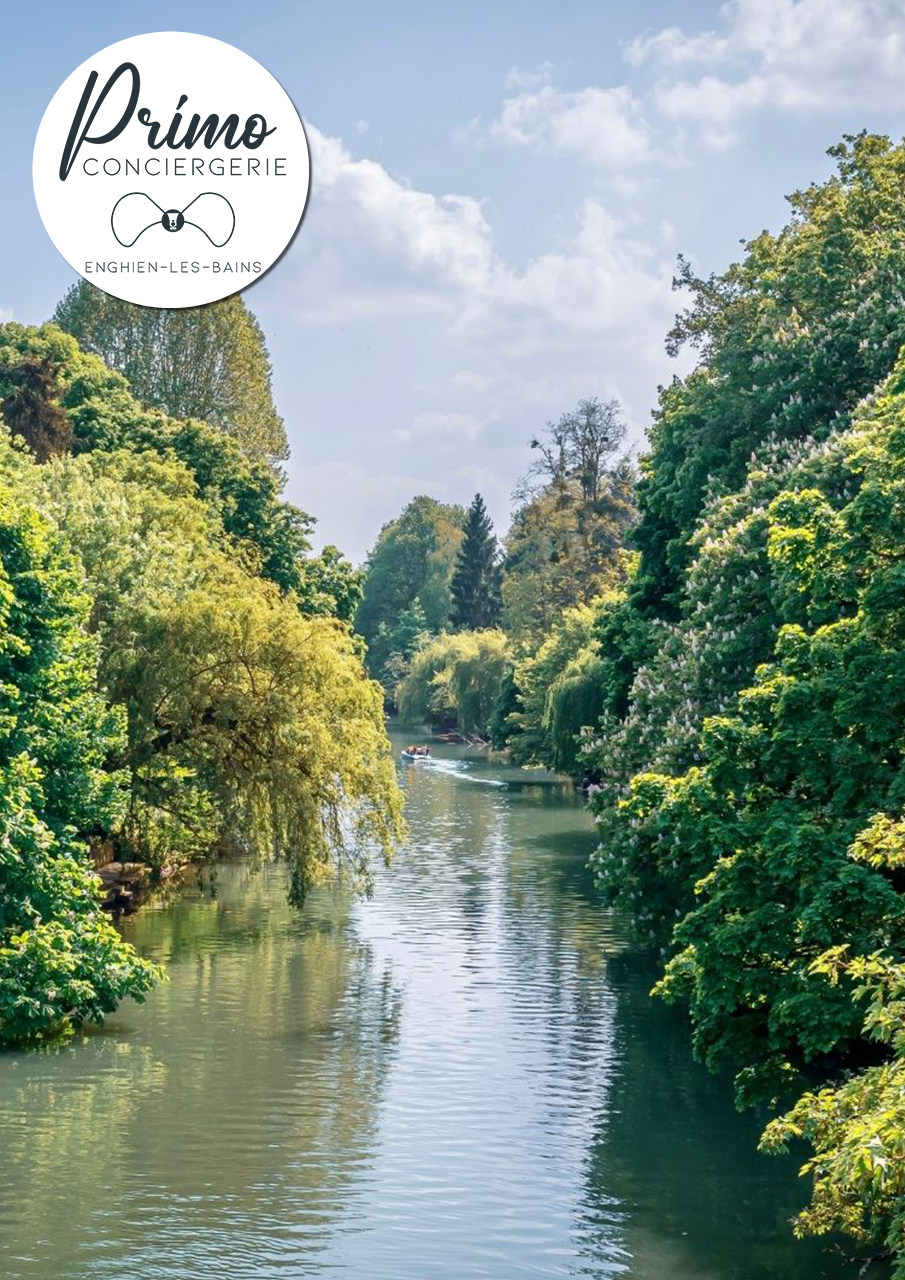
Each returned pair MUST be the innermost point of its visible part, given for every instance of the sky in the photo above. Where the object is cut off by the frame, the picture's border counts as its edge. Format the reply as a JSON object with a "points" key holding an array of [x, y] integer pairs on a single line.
{"points": [[499, 194]]}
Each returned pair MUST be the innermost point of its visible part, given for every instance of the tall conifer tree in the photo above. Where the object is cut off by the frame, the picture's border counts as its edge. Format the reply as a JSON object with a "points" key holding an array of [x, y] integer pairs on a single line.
{"points": [[476, 580]]}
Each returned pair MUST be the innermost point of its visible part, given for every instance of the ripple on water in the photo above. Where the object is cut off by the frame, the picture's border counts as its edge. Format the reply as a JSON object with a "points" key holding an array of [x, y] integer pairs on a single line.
{"points": [[462, 1077]]}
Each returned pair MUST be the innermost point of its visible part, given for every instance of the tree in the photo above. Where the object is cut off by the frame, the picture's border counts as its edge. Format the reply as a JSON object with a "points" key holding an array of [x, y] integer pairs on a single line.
{"points": [[576, 507], [61, 397], [750, 747], [399, 644], [330, 585], [250, 726], [477, 576], [558, 688], [61, 962], [245, 493], [220, 636], [207, 362], [575, 451], [771, 863], [31, 410], [413, 559], [857, 1127], [456, 680], [791, 338]]}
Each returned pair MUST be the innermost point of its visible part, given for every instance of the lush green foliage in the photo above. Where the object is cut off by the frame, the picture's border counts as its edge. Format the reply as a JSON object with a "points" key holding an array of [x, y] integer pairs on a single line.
{"points": [[857, 1128], [750, 750], [61, 963], [456, 679], [558, 692], [475, 586], [58, 397], [250, 725], [201, 690], [407, 585], [564, 549], [208, 362], [801, 772], [792, 337], [575, 508]]}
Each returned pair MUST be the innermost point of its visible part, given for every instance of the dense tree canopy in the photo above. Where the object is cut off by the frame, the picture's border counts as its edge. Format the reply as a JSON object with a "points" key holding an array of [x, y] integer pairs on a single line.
{"points": [[410, 567], [208, 362], [750, 748], [61, 962], [558, 692], [791, 338], [181, 681], [857, 1127], [51, 390], [250, 725]]}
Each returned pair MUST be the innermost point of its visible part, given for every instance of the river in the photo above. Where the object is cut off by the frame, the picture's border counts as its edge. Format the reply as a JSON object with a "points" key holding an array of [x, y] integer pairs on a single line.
{"points": [[461, 1077]]}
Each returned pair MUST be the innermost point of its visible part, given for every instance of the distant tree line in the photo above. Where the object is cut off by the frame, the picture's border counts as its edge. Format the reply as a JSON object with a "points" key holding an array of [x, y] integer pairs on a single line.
{"points": [[437, 572]]}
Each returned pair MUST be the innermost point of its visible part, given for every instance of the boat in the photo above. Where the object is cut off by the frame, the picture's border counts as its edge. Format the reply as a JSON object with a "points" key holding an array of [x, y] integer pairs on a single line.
{"points": [[408, 754]]}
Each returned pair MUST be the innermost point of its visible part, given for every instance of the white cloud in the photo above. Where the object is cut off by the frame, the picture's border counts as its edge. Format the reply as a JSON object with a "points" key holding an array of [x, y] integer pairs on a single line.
{"points": [[712, 104], [374, 246], [604, 127], [784, 55], [518, 78], [459, 352], [6, 314], [442, 424], [602, 279], [843, 38], [791, 55], [672, 47]]}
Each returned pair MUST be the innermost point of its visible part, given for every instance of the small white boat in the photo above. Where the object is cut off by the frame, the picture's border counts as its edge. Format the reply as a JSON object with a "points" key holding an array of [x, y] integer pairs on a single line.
{"points": [[416, 755]]}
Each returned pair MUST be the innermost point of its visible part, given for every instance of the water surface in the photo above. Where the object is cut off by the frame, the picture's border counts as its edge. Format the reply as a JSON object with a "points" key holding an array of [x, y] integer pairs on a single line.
{"points": [[463, 1077]]}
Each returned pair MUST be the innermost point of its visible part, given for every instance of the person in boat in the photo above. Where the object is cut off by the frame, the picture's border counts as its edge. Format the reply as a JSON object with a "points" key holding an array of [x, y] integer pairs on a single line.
{"points": [[417, 751]]}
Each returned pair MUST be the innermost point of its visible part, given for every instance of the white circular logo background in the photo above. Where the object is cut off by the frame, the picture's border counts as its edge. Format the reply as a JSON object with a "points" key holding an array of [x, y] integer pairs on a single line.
{"points": [[159, 217]]}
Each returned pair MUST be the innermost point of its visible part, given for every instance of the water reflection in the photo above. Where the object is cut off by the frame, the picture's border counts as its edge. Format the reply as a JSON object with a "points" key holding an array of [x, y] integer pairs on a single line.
{"points": [[222, 1127], [699, 1202], [462, 1077]]}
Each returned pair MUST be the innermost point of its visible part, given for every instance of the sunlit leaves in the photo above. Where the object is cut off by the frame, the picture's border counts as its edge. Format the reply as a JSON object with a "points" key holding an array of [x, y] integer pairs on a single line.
{"points": [[61, 962], [456, 679]]}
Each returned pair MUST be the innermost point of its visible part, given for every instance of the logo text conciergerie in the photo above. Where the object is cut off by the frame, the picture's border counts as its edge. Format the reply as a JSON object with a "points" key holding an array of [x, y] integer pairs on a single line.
{"points": [[168, 165]]}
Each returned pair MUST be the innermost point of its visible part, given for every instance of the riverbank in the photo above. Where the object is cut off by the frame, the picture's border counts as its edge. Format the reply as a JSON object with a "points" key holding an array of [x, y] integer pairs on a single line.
{"points": [[126, 886]]}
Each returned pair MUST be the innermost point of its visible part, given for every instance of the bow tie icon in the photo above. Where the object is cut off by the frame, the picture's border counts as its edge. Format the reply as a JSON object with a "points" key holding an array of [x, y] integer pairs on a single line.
{"points": [[136, 213]]}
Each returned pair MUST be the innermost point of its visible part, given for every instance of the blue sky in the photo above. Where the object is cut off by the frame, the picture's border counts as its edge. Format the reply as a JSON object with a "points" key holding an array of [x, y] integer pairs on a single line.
{"points": [[499, 192]]}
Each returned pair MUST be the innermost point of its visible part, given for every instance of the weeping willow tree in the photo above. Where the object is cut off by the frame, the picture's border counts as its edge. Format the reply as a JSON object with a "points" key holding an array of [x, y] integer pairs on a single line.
{"points": [[557, 690], [456, 680], [251, 726], [574, 702], [251, 721]]}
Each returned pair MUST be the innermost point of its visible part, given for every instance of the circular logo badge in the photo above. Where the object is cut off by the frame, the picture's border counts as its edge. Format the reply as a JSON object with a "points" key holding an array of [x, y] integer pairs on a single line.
{"points": [[171, 169]]}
